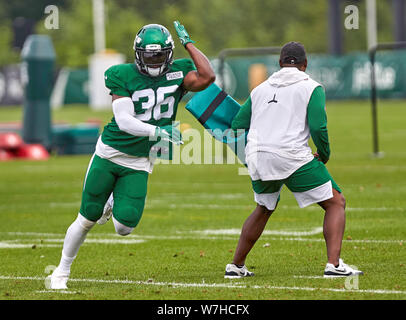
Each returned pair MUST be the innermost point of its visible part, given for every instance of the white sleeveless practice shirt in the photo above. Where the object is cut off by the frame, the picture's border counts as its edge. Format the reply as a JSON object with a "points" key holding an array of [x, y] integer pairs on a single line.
{"points": [[277, 142]]}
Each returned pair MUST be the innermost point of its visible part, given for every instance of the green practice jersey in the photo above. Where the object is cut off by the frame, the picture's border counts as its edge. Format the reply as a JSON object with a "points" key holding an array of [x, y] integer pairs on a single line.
{"points": [[155, 101]]}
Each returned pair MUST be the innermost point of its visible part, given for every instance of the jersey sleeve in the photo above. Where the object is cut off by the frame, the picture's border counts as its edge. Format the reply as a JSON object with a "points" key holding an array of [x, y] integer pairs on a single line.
{"points": [[242, 119], [115, 82], [185, 66], [317, 120]]}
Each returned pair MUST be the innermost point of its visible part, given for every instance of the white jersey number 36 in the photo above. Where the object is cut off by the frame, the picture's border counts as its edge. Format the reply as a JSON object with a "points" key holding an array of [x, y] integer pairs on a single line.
{"points": [[153, 106]]}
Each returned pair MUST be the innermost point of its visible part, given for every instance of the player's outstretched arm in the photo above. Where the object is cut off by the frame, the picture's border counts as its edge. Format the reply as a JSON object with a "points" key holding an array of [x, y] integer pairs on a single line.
{"points": [[201, 78]]}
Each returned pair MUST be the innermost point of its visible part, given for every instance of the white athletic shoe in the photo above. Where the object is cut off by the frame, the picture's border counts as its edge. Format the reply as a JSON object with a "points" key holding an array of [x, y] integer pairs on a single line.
{"points": [[343, 270], [233, 272], [58, 280], [107, 211]]}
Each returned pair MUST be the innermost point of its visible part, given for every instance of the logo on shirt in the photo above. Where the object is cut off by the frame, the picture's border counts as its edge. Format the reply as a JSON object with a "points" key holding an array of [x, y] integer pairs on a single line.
{"points": [[273, 99], [174, 75]]}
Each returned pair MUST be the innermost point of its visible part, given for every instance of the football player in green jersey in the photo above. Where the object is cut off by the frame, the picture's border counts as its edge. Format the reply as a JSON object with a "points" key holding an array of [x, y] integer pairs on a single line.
{"points": [[145, 97]]}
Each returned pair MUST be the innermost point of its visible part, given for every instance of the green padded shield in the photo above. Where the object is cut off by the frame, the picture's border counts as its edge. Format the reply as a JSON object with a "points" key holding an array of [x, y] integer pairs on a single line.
{"points": [[215, 110]]}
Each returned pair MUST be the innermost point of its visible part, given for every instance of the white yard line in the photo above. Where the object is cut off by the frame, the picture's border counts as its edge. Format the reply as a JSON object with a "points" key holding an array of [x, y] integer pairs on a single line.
{"points": [[57, 291], [159, 203], [211, 285], [44, 243], [209, 234], [8, 245], [36, 234], [308, 277], [156, 204], [90, 240], [266, 232]]}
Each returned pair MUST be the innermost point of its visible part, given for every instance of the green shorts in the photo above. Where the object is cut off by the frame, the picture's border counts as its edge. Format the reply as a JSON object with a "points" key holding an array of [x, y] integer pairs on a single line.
{"points": [[311, 183], [129, 189]]}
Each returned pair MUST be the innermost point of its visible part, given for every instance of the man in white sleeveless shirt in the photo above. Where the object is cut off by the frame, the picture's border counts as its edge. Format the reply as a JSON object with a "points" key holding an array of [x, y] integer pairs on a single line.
{"points": [[281, 115]]}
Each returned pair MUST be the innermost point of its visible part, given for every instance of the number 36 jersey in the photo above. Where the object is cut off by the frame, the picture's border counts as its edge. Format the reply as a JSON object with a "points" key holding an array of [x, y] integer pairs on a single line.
{"points": [[155, 102]]}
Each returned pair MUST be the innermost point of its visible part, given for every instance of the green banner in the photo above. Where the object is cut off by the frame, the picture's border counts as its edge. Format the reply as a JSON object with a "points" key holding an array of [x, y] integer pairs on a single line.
{"points": [[343, 77], [71, 86], [77, 90]]}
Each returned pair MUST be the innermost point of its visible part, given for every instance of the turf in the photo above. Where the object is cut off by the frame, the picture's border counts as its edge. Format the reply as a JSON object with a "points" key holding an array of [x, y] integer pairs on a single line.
{"points": [[179, 259]]}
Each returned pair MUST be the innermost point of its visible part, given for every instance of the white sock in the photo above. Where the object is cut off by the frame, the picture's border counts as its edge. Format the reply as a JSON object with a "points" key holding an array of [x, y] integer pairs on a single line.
{"points": [[121, 229], [75, 235], [110, 200]]}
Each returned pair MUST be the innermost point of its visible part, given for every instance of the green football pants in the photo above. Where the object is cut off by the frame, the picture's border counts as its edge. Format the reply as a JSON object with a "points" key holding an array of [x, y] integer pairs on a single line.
{"points": [[129, 189]]}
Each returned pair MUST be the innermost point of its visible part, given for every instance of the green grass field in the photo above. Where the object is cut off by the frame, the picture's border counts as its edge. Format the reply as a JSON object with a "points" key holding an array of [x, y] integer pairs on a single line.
{"points": [[191, 224]]}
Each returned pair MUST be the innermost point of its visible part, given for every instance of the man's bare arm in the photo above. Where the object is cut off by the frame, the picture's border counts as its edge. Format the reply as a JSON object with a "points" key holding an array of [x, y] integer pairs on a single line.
{"points": [[201, 78]]}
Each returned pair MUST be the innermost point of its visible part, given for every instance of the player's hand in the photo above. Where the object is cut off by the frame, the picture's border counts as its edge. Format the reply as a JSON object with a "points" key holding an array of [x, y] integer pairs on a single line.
{"points": [[317, 156], [169, 133], [182, 34]]}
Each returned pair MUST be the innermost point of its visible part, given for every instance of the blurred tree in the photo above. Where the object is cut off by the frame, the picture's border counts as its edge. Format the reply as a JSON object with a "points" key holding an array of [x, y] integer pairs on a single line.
{"points": [[122, 24], [23, 15], [213, 24], [10, 55], [73, 41], [29, 9], [356, 40]]}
